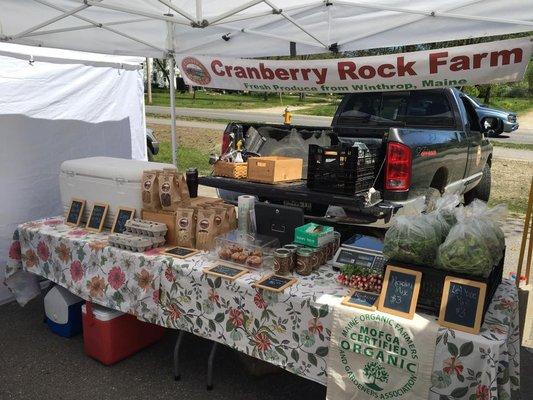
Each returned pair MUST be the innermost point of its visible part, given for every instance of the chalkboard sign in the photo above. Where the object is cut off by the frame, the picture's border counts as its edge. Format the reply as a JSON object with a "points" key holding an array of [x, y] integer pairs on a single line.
{"points": [[226, 271], [360, 299], [97, 217], [400, 291], [181, 252], [75, 212], [123, 214], [275, 283], [462, 304]]}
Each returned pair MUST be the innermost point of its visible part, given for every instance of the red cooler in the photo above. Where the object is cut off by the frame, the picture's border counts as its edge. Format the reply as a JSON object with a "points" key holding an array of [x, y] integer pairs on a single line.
{"points": [[110, 335]]}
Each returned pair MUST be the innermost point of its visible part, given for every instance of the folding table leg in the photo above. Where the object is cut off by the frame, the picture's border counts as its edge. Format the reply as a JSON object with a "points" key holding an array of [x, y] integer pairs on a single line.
{"points": [[177, 375], [210, 366]]}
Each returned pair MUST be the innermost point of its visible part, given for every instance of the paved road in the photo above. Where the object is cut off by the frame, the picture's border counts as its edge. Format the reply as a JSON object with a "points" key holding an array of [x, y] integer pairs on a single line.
{"points": [[521, 136], [240, 115]]}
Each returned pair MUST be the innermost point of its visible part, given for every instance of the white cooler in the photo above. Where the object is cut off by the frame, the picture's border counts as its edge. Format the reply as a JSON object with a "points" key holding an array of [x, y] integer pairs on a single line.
{"points": [[115, 181]]}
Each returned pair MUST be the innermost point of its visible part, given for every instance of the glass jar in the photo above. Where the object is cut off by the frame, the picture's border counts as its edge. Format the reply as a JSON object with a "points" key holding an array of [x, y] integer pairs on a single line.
{"points": [[316, 258], [282, 261], [322, 252], [292, 248], [304, 261]]}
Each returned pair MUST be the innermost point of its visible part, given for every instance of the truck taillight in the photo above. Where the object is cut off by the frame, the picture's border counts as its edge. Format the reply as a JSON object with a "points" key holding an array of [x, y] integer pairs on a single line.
{"points": [[398, 169]]}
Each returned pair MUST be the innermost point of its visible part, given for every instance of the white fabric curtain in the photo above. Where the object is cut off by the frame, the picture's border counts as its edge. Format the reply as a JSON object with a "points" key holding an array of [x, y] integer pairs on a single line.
{"points": [[56, 106]]}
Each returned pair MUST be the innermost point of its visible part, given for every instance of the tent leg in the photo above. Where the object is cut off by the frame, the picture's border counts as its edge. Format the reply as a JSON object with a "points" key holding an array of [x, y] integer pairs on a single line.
{"points": [[173, 109]]}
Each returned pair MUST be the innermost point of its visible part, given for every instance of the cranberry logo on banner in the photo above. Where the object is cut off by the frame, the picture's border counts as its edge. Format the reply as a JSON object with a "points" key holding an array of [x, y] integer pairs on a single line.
{"points": [[195, 71]]}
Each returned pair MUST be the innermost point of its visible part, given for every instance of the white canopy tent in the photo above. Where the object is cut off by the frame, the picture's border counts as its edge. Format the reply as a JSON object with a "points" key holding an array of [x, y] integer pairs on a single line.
{"points": [[57, 105], [252, 28]]}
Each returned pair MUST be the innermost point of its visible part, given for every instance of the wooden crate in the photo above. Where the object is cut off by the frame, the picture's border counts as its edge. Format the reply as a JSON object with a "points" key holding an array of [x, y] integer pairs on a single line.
{"points": [[274, 169], [231, 170], [166, 217]]}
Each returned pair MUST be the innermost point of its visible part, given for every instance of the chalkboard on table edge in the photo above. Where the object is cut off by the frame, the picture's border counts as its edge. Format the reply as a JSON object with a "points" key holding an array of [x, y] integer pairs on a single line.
{"points": [[394, 299], [225, 270], [275, 283], [181, 252], [75, 212], [97, 217], [361, 299], [123, 214], [468, 318]]}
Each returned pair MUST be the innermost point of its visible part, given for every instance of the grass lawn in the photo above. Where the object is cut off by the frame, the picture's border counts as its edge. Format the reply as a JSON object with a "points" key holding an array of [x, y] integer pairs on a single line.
{"points": [[327, 110], [510, 184], [187, 157], [236, 101], [518, 146], [517, 105]]}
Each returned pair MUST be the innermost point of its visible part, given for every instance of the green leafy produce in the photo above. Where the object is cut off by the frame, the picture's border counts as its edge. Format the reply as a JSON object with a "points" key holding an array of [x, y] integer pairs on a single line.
{"points": [[412, 239], [465, 250]]}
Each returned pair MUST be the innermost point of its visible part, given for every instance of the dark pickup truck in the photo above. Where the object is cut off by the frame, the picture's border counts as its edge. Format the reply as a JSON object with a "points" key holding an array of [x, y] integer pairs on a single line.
{"points": [[427, 142]]}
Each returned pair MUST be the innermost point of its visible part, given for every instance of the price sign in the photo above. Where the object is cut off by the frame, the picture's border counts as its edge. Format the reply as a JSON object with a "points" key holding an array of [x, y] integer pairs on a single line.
{"points": [[75, 212], [400, 291], [124, 214], [360, 299], [97, 217], [226, 271], [181, 252], [275, 283], [462, 304]]}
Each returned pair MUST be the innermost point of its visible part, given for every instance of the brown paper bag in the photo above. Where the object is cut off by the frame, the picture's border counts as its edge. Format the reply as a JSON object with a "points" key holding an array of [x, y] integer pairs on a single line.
{"points": [[221, 221], [205, 230], [231, 216], [169, 193], [181, 182], [150, 191], [186, 227]]}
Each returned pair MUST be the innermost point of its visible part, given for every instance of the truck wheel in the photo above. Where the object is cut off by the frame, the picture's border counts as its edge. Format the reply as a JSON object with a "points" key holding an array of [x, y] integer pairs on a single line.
{"points": [[150, 154], [482, 190]]}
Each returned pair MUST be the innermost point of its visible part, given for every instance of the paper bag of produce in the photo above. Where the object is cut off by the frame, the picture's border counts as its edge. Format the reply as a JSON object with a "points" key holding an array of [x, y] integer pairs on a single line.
{"points": [[169, 192], [205, 230], [150, 191], [186, 227]]}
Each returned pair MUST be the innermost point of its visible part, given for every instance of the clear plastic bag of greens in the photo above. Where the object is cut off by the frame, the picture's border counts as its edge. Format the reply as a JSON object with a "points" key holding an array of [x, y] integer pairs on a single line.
{"points": [[489, 222], [443, 217], [466, 249], [412, 239]]}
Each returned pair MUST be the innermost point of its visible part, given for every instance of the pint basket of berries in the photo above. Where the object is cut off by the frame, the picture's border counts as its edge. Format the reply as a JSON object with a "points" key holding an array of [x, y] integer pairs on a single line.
{"points": [[360, 278]]}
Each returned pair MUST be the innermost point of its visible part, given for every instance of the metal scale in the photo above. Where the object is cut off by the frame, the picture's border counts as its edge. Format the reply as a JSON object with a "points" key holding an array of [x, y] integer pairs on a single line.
{"points": [[363, 250]]}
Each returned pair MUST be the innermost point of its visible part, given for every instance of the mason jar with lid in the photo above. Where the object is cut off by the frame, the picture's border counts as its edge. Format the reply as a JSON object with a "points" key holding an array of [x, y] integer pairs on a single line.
{"points": [[282, 261], [304, 261], [292, 248]]}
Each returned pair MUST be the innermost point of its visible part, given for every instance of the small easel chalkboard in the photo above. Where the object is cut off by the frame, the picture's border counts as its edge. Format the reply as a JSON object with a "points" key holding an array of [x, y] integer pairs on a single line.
{"points": [[360, 299], [462, 303], [75, 212], [124, 214], [226, 271], [181, 252], [275, 283], [97, 217], [400, 291]]}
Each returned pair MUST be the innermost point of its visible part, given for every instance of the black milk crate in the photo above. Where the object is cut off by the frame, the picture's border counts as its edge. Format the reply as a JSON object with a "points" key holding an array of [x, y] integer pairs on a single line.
{"points": [[341, 169], [432, 285]]}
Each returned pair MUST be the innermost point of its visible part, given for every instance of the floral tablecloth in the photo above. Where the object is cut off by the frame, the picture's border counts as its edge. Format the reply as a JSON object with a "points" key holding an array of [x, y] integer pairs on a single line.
{"points": [[82, 262], [289, 329]]}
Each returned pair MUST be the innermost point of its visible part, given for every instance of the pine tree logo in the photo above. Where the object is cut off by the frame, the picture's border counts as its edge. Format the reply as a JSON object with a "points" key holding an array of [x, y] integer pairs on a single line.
{"points": [[376, 372]]}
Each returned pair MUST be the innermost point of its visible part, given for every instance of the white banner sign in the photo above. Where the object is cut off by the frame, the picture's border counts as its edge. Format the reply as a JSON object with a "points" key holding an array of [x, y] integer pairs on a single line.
{"points": [[501, 61]]}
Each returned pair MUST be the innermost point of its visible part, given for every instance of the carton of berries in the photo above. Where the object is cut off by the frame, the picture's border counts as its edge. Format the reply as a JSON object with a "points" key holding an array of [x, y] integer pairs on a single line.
{"points": [[360, 278]]}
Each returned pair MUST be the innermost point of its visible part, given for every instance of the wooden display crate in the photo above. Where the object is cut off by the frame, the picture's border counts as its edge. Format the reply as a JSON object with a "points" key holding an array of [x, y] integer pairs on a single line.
{"points": [[274, 169], [231, 170], [166, 217]]}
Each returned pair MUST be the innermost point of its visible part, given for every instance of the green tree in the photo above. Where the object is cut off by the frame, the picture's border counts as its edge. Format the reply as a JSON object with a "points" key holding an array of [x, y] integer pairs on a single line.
{"points": [[376, 372]]}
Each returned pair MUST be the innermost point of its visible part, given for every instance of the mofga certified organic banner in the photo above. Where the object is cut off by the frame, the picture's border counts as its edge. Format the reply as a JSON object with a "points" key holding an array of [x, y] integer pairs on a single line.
{"points": [[501, 61]]}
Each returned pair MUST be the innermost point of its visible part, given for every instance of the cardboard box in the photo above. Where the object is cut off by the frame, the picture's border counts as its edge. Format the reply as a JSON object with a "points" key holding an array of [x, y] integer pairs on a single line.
{"points": [[313, 235], [274, 169], [166, 217]]}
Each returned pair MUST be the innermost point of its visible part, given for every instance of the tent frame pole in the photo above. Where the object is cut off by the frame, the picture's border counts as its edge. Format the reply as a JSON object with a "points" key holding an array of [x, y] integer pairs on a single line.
{"points": [[173, 108], [82, 27]]}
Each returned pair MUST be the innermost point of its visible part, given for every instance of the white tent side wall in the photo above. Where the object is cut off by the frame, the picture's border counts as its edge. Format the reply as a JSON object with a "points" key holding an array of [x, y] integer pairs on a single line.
{"points": [[54, 110]]}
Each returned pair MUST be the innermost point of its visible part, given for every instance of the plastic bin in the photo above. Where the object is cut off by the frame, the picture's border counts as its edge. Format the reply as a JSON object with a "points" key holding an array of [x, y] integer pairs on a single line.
{"points": [[341, 169], [110, 335], [63, 312]]}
